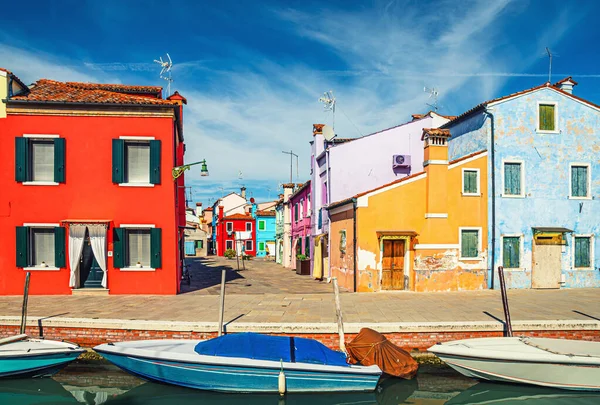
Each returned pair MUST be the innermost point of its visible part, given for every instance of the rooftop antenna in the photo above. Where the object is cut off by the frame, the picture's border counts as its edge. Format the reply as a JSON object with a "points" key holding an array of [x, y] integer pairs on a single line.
{"points": [[292, 154], [165, 72], [328, 100], [433, 93], [550, 66]]}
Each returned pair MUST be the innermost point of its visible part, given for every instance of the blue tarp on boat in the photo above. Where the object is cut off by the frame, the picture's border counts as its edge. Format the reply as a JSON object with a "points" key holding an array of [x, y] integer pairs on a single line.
{"points": [[274, 348]]}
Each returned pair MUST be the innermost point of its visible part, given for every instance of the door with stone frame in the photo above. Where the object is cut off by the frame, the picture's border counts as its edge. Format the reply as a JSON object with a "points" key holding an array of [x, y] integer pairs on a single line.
{"points": [[546, 269], [90, 272], [393, 264]]}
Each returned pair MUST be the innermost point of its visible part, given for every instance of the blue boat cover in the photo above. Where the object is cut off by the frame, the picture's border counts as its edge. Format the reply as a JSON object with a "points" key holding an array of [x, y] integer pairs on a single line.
{"points": [[275, 348]]}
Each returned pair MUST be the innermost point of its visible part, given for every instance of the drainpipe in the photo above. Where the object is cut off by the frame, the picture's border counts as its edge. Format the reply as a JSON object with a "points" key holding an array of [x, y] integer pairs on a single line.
{"points": [[328, 216], [354, 243], [493, 202]]}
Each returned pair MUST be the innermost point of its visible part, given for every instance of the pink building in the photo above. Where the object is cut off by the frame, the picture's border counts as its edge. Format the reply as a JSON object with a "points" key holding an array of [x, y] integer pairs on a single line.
{"points": [[300, 209]]}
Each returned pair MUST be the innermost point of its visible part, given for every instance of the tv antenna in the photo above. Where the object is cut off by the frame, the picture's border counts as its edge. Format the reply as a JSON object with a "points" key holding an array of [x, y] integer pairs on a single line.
{"points": [[433, 94], [292, 154], [165, 72], [550, 56], [240, 175], [328, 100]]}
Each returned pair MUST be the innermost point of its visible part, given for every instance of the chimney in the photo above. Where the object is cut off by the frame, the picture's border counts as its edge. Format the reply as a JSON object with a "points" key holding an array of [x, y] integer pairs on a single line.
{"points": [[566, 85], [199, 209], [243, 192], [435, 162], [220, 212], [288, 190]]}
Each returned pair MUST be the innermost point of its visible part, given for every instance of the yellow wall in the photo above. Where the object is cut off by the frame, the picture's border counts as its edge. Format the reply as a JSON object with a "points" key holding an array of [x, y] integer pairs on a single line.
{"points": [[342, 262], [403, 207], [3, 93]]}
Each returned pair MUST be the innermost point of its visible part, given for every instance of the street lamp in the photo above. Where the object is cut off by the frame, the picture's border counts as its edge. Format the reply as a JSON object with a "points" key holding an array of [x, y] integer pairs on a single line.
{"points": [[178, 171]]}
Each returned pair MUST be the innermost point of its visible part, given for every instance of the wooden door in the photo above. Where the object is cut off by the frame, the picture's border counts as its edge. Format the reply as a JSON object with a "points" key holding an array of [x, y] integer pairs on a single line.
{"points": [[393, 265], [546, 266], [90, 272]]}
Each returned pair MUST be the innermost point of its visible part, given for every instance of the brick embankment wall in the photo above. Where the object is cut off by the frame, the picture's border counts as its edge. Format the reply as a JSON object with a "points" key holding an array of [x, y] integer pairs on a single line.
{"points": [[420, 341]]}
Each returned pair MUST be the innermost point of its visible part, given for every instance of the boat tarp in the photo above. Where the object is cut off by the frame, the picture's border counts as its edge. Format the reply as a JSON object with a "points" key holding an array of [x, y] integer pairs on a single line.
{"points": [[274, 348], [371, 347]]}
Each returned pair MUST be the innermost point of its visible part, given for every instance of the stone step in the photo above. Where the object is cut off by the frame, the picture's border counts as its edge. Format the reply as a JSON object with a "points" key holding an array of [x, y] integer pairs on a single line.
{"points": [[90, 291]]}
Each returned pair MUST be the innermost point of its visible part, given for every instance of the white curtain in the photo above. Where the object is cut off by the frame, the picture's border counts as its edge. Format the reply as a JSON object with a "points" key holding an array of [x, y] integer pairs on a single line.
{"points": [[76, 239], [98, 241]]}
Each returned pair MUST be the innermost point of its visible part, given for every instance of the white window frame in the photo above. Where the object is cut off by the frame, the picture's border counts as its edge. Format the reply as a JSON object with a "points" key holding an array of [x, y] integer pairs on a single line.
{"points": [[227, 227], [537, 115], [478, 192], [126, 245], [248, 223], [136, 139], [479, 242], [246, 245], [589, 181], [592, 262], [521, 250], [301, 209], [39, 225], [264, 225], [41, 137], [522, 163], [227, 242]]}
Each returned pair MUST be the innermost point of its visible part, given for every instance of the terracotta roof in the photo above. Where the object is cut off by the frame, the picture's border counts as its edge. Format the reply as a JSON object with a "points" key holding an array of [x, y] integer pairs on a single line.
{"points": [[265, 213], [390, 184], [208, 209], [466, 157], [8, 72], [566, 79], [301, 187], [177, 96], [238, 216], [118, 88], [318, 128], [46, 90], [436, 131]]}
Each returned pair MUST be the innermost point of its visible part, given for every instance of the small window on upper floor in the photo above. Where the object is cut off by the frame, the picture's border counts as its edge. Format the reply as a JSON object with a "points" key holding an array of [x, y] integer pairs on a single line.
{"points": [[40, 160], [470, 182], [513, 179], [248, 226], [136, 162], [580, 181], [547, 117]]}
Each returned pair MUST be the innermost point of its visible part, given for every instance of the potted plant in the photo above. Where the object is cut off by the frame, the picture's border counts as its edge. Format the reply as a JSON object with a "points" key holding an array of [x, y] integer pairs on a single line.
{"points": [[229, 253], [138, 265], [302, 265]]}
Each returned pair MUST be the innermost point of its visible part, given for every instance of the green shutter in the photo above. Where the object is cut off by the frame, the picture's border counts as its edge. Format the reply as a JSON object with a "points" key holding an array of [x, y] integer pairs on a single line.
{"points": [[21, 159], [512, 178], [118, 248], [307, 247], [155, 162], [547, 117], [118, 161], [469, 247], [582, 252], [511, 252], [60, 258], [261, 225], [22, 246], [59, 161], [261, 246], [579, 181], [470, 182], [155, 248]]}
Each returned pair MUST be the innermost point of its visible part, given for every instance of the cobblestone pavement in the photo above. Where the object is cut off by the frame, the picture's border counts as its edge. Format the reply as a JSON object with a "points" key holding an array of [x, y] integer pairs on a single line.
{"points": [[265, 292]]}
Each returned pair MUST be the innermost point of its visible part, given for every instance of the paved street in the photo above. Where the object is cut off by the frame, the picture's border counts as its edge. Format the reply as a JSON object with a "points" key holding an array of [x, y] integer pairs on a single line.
{"points": [[265, 292]]}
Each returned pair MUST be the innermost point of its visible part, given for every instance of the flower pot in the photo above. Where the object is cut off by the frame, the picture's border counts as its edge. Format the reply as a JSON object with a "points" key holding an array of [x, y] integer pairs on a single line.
{"points": [[303, 267]]}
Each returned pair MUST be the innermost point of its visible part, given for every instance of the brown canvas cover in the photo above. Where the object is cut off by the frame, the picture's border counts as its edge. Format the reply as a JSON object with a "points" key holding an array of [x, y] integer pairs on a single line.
{"points": [[371, 347]]}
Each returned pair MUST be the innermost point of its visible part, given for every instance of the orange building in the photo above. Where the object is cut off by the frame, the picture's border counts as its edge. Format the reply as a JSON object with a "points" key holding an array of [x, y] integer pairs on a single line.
{"points": [[424, 232]]}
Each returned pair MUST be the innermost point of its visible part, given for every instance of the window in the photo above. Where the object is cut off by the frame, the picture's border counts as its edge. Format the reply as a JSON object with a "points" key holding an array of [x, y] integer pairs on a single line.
{"points": [[511, 252], [249, 245], [137, 247], [136, 162], [307, 246], [470, 243], [229, 226], [262, 225], [40, 159], [583, 251], [324, 193], [299, 246], [41, 246], [513, 179], [296, 212], [301, 209], [199, 244], [229, 244], [261, 246], [343, 241], [547, 117], [580, 181], [248, 226], [471, 181]]}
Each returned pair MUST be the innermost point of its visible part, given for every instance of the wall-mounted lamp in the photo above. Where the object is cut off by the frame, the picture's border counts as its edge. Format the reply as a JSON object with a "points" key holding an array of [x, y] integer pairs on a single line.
{"points": [[178, 171]]}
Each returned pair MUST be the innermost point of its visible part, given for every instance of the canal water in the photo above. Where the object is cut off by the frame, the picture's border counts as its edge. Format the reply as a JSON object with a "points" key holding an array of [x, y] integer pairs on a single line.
{"points": [[98, 383]]}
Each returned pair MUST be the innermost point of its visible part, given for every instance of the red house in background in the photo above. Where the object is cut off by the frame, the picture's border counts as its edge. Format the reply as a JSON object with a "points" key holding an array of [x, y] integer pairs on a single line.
{"points": [[88, 201], [230, 226]]}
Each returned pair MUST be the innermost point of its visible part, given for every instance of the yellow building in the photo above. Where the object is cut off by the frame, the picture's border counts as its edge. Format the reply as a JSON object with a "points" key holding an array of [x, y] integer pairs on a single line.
{"points": [[424, 232]]}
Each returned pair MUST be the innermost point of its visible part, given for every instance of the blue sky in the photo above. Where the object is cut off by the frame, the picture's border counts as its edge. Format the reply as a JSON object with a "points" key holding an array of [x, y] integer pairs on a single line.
{"points": [[253, 71]]}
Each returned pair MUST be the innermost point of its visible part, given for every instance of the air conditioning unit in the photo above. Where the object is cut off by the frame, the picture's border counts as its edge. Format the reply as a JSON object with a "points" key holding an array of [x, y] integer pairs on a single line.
{"points": [[401, 161]]}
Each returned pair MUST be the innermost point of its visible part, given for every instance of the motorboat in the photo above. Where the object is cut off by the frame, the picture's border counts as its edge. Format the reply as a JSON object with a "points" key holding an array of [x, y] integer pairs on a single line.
{"points": [[244, 362], [557, 363], [22, 356]]}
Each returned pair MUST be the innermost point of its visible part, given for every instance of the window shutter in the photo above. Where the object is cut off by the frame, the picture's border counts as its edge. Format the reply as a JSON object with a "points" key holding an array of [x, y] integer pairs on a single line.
{"points": [[155, 162], [155, 250], [470, 181], [511, 252], [307, 246], [21, 159], [59, 161], [118, 159], [320, 219], [469, 244], [579, 181], [118, 248], [547, 117], [582, 252], [22, 246], [59, 247], [512, 178]]}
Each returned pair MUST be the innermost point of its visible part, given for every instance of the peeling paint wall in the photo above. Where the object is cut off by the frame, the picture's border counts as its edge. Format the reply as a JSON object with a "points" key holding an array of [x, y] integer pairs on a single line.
{"points": [[342, 260], [436, 271]]}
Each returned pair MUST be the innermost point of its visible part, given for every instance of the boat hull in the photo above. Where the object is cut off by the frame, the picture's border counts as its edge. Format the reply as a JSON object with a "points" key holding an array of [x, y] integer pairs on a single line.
{"points": [[36, 365], [225, 378]]}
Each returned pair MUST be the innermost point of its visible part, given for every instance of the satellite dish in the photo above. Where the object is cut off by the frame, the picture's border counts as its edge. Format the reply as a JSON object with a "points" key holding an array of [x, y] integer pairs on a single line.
{"points": [[328, 133]]}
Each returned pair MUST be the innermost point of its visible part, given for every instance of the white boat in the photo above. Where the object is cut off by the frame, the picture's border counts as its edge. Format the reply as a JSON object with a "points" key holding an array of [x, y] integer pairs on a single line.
{"points": [[558, 363]]}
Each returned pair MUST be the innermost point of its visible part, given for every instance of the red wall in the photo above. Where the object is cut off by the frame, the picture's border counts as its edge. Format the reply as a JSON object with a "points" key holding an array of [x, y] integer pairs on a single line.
{"points": [[238, 225], [89, 193]]}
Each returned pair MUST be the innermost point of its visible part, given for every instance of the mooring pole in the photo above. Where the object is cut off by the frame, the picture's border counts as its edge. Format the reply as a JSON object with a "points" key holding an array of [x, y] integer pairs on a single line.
{"points": [[509, 331], [24, 308], [338, 313], [235, 244], [222, 306]]}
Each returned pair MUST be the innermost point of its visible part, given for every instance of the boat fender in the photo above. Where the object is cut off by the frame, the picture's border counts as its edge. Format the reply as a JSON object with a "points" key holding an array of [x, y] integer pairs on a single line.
{"points": [[281, 381]]}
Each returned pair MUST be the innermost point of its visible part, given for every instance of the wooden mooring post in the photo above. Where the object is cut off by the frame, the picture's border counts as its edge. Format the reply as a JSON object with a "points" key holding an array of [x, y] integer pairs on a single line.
{"points": [[24, 307], [222, 302], [507, 321], [338, 313]]}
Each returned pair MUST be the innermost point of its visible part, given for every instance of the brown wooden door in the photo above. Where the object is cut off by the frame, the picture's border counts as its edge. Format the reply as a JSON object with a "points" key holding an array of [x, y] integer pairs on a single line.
{"points": [[393, 265]]}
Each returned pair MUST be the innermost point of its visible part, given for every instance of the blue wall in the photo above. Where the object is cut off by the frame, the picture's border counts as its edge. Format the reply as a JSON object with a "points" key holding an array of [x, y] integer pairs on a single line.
{"points": [[546, 158], [268, 235]]}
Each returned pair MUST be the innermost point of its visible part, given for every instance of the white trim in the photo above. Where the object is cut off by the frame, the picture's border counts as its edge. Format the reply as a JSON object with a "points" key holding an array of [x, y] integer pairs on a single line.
{"points": [[537, 115], [226, 227], [589, 180], [135, 185], [41, 225], [137, 138], [251, 245], [50, 268], [422, 246], [227, 241], [562, 93], [468, 160], [462, 189], [248, 223], [436, 215], [592, 264], [521, 250], [479, 242], [137, 269], [522, 195], [3, 73], [142, 226], [40, 183], [41, 136], [363, 201], [435, 162]]}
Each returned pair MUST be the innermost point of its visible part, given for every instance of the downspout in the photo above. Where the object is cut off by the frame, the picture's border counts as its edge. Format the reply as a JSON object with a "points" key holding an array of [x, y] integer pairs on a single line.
{"points": [[328, 216], [354, 243], [493, 202]]}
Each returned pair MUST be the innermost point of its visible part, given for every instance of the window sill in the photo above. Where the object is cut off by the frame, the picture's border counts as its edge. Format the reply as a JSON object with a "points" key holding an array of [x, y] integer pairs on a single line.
{"points": [[137, 269], [473, 259], [40, 183], [545, 131], [584, 269], [579, 198], [513, 195], [471, 194], [136, 184], [50, 268], [514, 269]]}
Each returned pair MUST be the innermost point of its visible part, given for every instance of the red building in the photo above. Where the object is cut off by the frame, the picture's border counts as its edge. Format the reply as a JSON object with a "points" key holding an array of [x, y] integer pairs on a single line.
{"points": [[88, 201], [234, 227]]}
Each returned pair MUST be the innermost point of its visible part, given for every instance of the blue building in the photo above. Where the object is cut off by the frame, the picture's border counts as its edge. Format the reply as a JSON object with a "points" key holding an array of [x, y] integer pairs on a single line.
{"points": [[543, 148], [265, 233]]}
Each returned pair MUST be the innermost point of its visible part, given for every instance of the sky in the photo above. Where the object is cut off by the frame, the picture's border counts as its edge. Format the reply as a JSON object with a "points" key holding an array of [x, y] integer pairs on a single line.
{"points": [[253, 71]]}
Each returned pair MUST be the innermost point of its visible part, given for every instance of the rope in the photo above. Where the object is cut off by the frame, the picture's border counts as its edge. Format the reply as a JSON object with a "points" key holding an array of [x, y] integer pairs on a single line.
{"points": [[371, 345], [529, 343]]}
